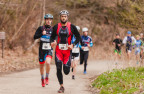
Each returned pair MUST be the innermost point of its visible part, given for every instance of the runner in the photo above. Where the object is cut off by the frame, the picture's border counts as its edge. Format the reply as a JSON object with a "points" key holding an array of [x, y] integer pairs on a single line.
{"points": [[118, 43], [45, 50], [75, 55], [137, 48], [84, 50], [64, 31], [129, 41], [142, 39]]}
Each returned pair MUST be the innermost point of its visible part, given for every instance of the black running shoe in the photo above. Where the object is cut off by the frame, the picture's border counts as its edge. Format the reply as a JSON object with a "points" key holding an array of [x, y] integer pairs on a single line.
{"points": [[73, 77]]}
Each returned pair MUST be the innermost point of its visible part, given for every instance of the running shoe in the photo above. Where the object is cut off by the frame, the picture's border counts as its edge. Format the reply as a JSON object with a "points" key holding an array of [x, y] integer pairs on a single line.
{"points": [[43, 82], [61, 90], [85, 72], [46, 81], [73, 77]]}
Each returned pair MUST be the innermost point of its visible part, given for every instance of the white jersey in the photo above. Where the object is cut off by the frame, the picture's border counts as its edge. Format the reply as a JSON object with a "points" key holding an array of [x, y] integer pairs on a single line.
{"points": [[125, 40]]}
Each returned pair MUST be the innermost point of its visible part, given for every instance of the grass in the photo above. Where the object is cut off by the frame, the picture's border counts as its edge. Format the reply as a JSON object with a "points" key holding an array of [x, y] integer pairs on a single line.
{"points": [[124, 81]]}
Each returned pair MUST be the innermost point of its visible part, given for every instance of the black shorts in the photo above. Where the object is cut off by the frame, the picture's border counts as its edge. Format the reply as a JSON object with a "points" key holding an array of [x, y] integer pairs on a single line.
{"points": [[43, 54], [75, 55]]}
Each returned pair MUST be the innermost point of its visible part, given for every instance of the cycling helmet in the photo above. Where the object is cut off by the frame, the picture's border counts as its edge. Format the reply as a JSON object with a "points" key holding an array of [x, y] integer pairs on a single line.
{"points": [[84, 29], [48, 16], [64, 12], [129, 32]]}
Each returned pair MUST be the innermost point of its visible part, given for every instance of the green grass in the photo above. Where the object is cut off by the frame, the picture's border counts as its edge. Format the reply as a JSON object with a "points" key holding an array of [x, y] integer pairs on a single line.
{"points": [[124, 81]]}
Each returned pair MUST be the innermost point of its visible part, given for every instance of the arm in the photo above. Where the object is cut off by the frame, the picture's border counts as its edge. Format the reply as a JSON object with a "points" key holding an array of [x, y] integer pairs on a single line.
{"points": [[124, 40], [53, 35], [76, 33], [38, 33], [91, 43]]}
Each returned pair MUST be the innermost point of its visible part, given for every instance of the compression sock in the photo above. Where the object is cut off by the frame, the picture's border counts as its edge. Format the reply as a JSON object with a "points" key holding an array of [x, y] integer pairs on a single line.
{"points": [[42, 76], [47, 75]]}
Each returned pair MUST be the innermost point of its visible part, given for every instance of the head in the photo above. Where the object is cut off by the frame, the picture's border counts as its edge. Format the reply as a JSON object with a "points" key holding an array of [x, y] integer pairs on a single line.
{"points": [[64, 16], [141, 35], [137, 37], [85, 31], [117, 36], [129, 33], [48, 19]]}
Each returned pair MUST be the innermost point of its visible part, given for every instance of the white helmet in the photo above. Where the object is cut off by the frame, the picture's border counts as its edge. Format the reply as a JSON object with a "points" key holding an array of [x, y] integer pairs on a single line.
{"points": [[84, 29], [64, 12], [141, 34], [78, 28]]}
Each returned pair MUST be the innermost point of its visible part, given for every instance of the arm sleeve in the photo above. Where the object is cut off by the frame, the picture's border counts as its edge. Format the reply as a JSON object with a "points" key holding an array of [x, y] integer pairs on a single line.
{"points": [[76, 33], [53, 35], [91, 43], [38, 33]]}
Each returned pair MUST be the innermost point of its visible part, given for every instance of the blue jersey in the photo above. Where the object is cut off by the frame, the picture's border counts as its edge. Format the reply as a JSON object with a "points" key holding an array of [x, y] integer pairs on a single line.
{"points": [[138, 43], [86, 40], [73, 40]]}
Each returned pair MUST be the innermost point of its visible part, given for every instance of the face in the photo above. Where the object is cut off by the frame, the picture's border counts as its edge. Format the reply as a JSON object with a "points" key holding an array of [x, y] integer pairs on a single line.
{"points": [[141, 36], [48, 21], [128, 34], [117, 36], [64, 18], [85, 33], [138, 38]]}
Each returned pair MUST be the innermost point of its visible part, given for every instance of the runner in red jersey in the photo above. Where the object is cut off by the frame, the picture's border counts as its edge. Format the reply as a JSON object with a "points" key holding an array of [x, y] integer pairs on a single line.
{"points": [[64, 32]]}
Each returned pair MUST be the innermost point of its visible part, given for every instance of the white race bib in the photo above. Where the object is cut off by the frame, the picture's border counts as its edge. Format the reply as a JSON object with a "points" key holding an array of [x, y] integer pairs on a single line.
{"points": [[46, 46], [63, 46], [86, 49], [75, 50], [137, 48]]}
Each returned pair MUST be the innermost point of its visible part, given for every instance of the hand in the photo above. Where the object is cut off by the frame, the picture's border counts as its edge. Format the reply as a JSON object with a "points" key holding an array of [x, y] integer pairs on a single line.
{"points": [[44, 32], [82, 47], [70, 47], [88, 45], [119, 44], [53, 43]]}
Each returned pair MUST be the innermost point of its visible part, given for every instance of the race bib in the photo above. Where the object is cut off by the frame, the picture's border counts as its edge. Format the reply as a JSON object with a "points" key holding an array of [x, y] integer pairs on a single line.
{"points": [[63, 46], [75, 50], [86, 49], [137, 48], [46, 46]]}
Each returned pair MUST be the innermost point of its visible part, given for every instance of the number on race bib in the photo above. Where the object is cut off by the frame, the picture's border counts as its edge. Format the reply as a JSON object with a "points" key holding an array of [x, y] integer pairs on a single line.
{"points": [[75, 50], [86, 49], [63, 46], [46, 46]]}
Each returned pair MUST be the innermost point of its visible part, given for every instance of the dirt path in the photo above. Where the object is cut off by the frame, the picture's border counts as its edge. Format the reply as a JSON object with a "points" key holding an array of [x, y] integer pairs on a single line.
{"points": [[28, 82]]}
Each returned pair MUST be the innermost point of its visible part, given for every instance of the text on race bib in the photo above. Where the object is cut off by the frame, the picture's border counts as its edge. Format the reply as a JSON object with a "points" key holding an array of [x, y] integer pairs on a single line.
{"points": [[63, 46], [86, 49], [46, 46]]}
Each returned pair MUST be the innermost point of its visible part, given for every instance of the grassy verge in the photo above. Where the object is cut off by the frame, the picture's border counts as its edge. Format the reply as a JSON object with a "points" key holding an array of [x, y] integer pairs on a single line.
{"points": [[124, 81]]}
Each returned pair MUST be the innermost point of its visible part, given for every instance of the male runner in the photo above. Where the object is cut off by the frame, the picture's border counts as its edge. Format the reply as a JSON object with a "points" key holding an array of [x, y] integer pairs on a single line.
{"points": [[75, 55], [84, 50], [64, 32], [137, 48], [118, 43], [45, 51], [129, 41]]}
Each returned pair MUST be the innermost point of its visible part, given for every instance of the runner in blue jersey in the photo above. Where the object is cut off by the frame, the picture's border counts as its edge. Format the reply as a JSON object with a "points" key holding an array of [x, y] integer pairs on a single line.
{"points": [[75, 55], [84, 50], [138, 48]]}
